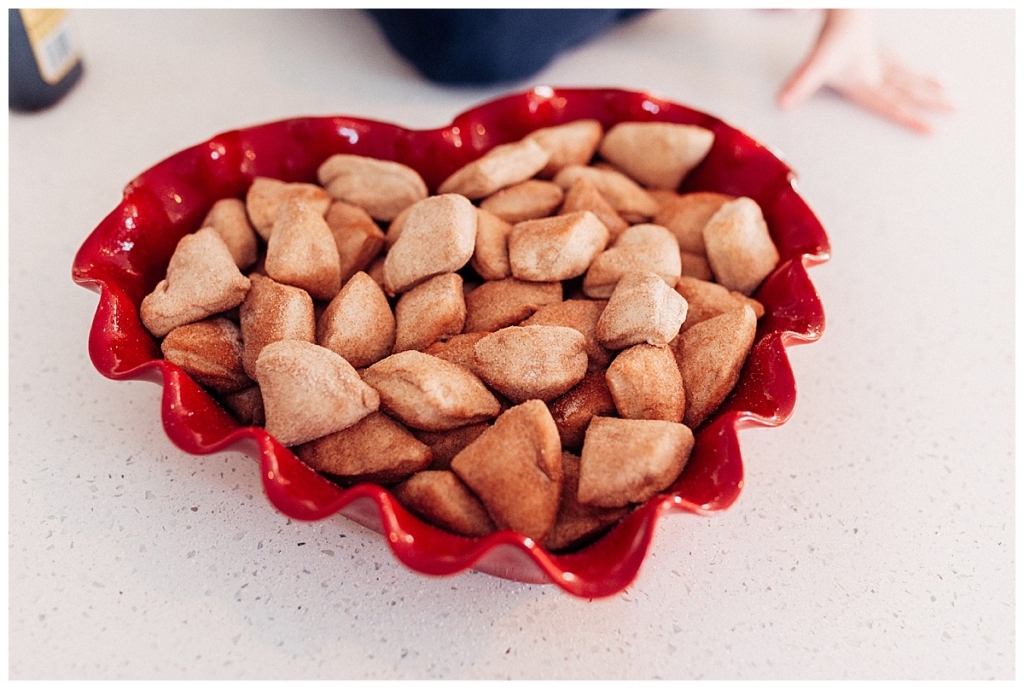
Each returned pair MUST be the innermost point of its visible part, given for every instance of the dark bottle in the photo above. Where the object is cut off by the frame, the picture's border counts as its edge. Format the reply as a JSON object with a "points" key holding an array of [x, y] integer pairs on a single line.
{"points": [[45, 60]]}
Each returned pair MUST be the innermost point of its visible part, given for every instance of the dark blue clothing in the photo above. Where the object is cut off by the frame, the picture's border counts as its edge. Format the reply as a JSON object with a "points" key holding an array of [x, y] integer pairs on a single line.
{"points": [[480, 47]]}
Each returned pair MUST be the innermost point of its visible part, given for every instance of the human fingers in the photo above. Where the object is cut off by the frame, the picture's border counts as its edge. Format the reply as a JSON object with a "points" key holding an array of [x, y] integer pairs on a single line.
{"points": [[844, 35], [935, 102], [817, 70], [888, 103], [894, 66], [925, 92], [802, 84]]}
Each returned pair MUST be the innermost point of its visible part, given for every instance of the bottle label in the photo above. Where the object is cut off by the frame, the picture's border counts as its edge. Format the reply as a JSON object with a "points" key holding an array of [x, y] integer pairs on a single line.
{"points": [[53, 42]]}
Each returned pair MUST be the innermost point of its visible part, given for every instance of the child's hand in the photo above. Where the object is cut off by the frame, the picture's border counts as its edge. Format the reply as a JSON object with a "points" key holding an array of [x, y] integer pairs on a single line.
{"points": [[847, 59]]}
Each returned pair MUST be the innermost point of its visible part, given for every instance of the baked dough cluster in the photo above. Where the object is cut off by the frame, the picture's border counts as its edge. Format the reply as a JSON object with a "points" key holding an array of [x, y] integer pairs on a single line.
{"points": [[531, 348]]}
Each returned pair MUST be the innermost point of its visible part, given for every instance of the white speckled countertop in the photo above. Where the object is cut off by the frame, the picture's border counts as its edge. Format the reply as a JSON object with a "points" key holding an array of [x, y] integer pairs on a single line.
{"points": [[875, 534]]}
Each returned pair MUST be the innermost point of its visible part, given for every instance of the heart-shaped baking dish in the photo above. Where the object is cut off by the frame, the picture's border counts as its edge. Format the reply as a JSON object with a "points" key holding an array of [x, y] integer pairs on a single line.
{"points": [[127, 254]]}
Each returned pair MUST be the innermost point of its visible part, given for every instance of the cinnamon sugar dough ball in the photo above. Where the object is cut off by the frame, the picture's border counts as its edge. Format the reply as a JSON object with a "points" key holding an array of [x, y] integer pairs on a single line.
{"points": [[309, 391], [642, 309], [532, 362], [438, 237], [202, 280], [358, 323], [272, 312], [739, 249], [656, 154], [266, 195], [375, 449], [229, 219], [383, 188], [627, 461], [502, 166], [556, 248], [429, 312], [515, 468], [441, 498], [210, 351], [429, 393]]}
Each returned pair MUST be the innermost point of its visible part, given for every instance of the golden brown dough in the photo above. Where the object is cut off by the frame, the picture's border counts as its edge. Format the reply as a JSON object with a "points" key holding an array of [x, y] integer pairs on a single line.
{"points": [[356, 236], [641, 247], [438, 237], [739, 248], [663, 197], [707, 299], [442, 499], [301, 251], [202, 280], [711, 355], [576, 523], [527, 200], [458, 349], [444, 445], [490, 255], [431, 311], [641, 309], [500, 303], [228, 218], [265, 196], [656, 154], [273, 312], [645, 383], [502, 166], [627, 461], [695, 266], [246, 405], [375, 449], [628, 198], [309, 391], [210, 351], [573, 143], [358, 323], [573, 411], [515, 468], [687, 214], [376, 271], [429, 393], [532, 362], [584, 196], [395, 227], [581, 314], [556, 248], [381, 187]]}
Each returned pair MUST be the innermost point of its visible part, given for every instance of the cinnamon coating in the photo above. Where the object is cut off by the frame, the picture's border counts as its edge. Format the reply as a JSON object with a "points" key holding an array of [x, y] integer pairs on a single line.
{"points": [[515, 468], [202, 280], [210, 351], [532, 362], [266, 195], [309, 391], [627, 461], [656, 154], [272, 312], [429, 393], [358, 323], [502, 166], [375, 449], [441, 498], [382, 188]]}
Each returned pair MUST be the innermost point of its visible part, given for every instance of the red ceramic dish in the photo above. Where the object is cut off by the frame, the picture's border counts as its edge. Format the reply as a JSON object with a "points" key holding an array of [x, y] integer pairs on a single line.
{"points": [[127, 254]]}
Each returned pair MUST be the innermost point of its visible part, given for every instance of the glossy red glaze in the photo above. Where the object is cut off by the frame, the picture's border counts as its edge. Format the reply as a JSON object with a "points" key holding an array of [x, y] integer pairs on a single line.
{"points": [[127, 254]]}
